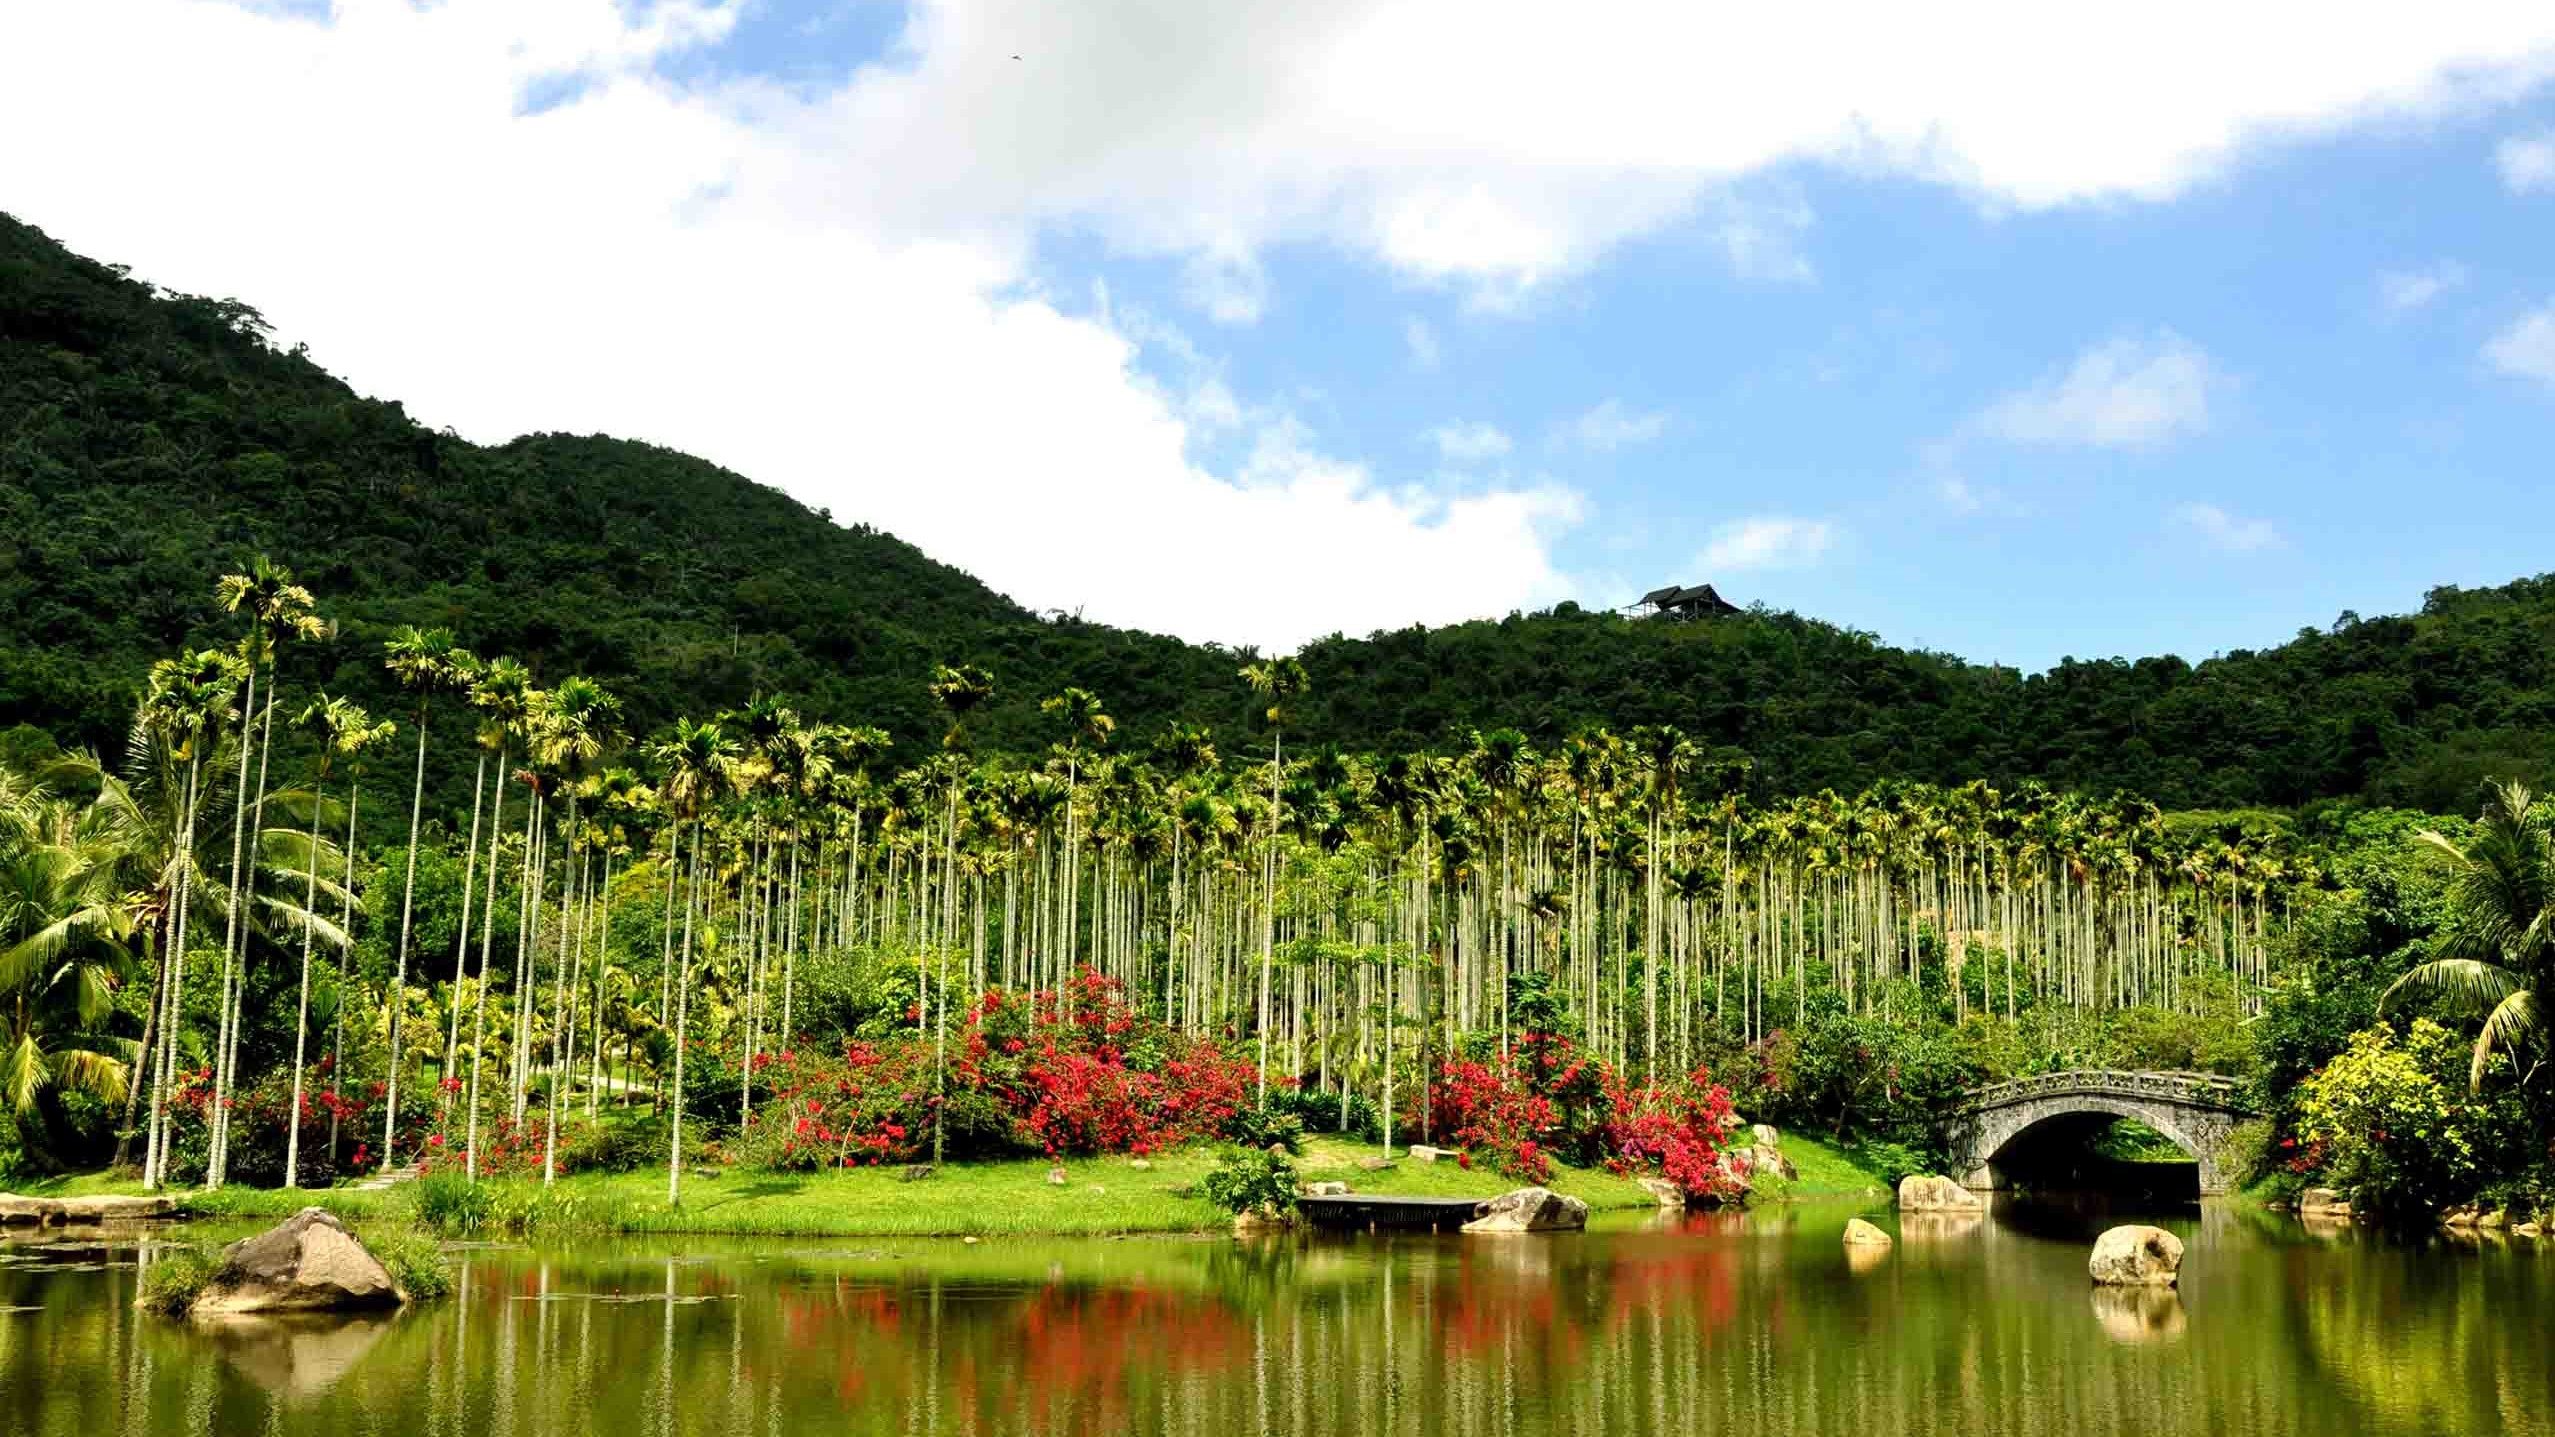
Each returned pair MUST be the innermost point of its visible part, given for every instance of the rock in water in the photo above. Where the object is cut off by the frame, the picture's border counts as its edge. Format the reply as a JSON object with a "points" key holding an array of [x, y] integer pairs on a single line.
{"points": [[1529, 1210], [307, 1263], [2136, 1256], [1859, 1233], [1666, 1193], [1921, 1193], [2323, 1202]]}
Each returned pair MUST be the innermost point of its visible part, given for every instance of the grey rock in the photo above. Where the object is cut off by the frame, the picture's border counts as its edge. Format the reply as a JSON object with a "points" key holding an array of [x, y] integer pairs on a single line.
{"points": [[307, 1263], [1529, 1210], [1919, 1192], [2136, 1255]]}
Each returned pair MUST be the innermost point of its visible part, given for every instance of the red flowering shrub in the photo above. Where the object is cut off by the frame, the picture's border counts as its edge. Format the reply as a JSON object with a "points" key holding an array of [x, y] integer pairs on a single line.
{"points": [[1548, 1098], [1084, 1074], [1678, 1129]]}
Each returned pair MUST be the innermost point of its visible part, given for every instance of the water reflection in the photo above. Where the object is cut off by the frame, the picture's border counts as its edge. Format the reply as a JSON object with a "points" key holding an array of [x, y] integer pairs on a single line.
{"points": [[1764, 1323]]}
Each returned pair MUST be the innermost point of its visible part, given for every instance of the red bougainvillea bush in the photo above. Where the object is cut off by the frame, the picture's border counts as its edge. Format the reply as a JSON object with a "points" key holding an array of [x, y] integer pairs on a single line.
{"points": [[1547, 1099], [1078, 1073]]}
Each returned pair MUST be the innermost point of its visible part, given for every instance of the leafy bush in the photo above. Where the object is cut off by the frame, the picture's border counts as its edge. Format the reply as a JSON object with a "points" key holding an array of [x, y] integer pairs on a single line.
{"points": [[1316, 1111], [414, 1262], [1273, 1125], [2384, 1124], [177, 1275], [1251, 1180], [450, 1202]]}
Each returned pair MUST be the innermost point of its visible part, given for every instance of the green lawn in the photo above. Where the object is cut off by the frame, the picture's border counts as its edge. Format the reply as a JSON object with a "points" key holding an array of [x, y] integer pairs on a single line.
{"points": [[1099, 1196]]}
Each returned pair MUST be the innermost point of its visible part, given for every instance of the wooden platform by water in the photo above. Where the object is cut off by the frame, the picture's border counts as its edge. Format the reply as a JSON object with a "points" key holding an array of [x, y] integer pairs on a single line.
{"points": [[1361, 1212]]}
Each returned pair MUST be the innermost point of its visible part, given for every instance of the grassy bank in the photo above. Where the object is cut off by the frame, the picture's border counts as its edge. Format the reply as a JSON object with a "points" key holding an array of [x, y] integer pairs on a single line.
{"points": [[1099, 1197]]}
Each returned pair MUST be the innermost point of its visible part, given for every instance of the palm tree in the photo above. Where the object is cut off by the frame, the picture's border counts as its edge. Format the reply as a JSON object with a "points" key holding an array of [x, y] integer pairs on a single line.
{"points": [[696, 761], [66, 929], [2500, 937], [961, 691], [1278, 681], [185, 710], [428, 662], [1084, 719], [344, 729], [278, 610]]}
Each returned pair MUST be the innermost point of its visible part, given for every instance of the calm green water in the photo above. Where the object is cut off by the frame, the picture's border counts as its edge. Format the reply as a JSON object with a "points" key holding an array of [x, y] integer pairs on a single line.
{"points": [[1750, 1325]]}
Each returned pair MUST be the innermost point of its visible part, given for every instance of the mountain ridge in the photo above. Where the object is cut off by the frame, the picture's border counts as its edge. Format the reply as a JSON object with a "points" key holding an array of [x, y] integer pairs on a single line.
{"points": [[150, 441]]}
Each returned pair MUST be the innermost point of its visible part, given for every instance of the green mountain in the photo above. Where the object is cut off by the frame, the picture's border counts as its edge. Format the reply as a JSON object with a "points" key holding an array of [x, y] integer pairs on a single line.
{"points": [[150, 441]]}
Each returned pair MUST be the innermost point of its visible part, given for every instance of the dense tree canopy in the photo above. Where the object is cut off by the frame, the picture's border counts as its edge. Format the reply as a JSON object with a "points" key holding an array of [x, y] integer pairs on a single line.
{"points": [[150, 441]]}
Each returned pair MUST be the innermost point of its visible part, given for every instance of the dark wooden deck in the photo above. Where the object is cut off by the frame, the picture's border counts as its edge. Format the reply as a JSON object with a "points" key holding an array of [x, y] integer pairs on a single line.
{"points": [[1359, 1212]]}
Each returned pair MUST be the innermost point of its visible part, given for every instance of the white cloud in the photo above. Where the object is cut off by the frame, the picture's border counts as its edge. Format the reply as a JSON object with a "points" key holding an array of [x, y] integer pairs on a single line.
{"points": [[700, 269], [2526, 350], [1766, 541], [2226, 532], [1422, 342], [1470, 443], [2127, 393], [2527, 162], [1476, 142], [1610, 426], [832, 289], [2403, 291]]}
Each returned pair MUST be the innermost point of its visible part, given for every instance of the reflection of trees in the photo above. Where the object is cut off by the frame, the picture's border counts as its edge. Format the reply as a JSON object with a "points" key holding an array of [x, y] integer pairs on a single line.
{"points": [[1741, 1325]]}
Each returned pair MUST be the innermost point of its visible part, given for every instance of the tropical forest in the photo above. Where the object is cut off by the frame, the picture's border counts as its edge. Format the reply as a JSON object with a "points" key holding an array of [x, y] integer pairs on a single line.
{"points": [[572, 842]]}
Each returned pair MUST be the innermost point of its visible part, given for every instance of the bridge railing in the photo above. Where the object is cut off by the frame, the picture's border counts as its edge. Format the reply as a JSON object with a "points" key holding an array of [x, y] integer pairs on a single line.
{"points": [[2208, 1089]]}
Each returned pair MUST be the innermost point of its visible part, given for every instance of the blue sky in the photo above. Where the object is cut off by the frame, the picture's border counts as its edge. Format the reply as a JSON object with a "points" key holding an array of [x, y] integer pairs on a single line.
{"points": [[2003, 338]]}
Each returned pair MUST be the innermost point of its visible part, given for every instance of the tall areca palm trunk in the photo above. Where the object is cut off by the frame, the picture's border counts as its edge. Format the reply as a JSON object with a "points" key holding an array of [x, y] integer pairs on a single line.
{"points": [[231, 923], [399, 972], [461, 944], [302, 999]]}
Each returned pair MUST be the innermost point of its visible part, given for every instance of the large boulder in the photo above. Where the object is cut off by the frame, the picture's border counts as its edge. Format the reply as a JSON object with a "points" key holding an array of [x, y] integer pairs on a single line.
{"points": [[2323, 1202], [1919, 1192], [1529, 1210], [1664, 1192], [307, 1263], [1859, 1233], [1765, 1135], [1422, 1153], [2136, 1255]]}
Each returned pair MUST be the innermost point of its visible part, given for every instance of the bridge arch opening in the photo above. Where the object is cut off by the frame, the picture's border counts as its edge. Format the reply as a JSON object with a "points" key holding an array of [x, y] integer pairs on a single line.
{"points": [[2097, 1148]]}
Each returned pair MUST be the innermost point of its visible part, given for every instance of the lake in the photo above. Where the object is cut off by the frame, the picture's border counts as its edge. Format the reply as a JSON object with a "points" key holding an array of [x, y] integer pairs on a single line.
{"points": [[1753, 1323]]}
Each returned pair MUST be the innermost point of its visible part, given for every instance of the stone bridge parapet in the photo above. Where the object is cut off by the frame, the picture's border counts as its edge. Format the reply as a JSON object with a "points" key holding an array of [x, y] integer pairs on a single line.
{"points": [[2199, 1111]]}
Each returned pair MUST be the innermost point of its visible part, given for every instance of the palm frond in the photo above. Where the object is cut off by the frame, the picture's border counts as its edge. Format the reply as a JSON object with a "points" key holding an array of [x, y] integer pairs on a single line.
{"points": [[2509, 1028], [2470, 983]]}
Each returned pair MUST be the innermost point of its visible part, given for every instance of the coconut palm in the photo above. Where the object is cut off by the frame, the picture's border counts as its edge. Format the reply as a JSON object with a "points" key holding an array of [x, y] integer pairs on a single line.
{"points": [[2500, 939], [67, 929]]}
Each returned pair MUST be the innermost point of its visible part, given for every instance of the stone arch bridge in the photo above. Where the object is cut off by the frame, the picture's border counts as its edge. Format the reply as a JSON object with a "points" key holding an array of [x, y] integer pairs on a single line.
{"points": [[2197, 1110]]}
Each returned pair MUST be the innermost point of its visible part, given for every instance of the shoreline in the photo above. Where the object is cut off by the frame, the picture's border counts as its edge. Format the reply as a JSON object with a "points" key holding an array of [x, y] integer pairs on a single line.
{"points": [[1099, 1197]]}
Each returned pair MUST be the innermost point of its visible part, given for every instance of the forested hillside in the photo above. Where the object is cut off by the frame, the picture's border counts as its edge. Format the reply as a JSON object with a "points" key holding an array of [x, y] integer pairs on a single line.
{"points": [[152, 441]]}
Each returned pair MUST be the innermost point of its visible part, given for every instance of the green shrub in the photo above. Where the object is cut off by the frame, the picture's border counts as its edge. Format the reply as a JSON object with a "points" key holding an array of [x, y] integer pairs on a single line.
{"points": [[1251, 1180], [615, 1145], [176, 1277], [450, 1202], [1891, 1161], [1259, 1127], [2390, 1123], [415, 1262]]}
